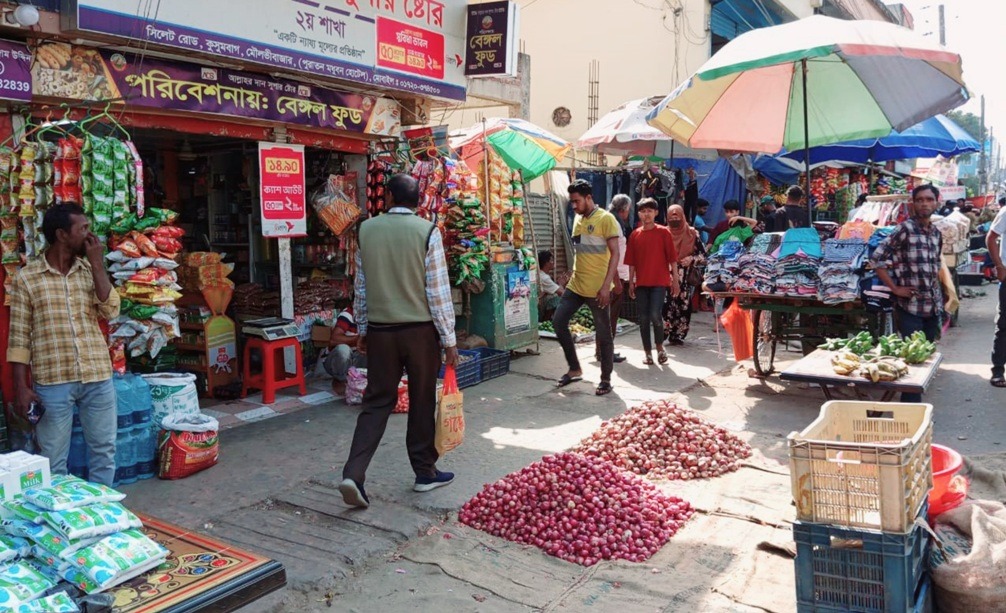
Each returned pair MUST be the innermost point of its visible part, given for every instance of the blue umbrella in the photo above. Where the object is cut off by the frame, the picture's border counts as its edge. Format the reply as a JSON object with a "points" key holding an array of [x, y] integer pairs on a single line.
{"points": [[927, 139]]}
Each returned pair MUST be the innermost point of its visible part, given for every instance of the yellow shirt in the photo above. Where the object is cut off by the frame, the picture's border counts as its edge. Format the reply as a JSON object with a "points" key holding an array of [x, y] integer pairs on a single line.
{"points": [[590, 248], [54, 324]]}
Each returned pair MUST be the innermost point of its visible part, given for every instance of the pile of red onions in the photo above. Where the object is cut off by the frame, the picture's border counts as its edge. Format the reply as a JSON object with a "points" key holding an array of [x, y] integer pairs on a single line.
{"points": [[578, 509], [664, 441]]}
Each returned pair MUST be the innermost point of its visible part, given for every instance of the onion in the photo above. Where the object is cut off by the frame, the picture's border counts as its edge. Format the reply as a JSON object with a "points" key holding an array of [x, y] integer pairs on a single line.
{"points": [[664, 441], [629, 519]]}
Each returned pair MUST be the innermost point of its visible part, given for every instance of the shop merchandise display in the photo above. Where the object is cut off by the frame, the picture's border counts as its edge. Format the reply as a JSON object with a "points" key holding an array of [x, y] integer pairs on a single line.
{"points": [[506, 199], [956, 230], [74, 532], [841, 270], [142, 262], [467, 230], [336, 203], [756, 273], [797, 266], [724, 265]]}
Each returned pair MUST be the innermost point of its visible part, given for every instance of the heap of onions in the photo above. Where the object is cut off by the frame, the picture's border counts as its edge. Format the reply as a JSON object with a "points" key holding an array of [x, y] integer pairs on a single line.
{"points": [[664, 441], [578, 509]]}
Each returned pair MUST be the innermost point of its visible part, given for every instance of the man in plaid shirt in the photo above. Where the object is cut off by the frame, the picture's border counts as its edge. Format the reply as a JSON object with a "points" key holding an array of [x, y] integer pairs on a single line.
{"points": [[908, 263]]}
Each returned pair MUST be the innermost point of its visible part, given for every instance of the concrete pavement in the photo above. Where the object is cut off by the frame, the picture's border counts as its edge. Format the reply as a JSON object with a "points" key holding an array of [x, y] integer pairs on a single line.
{"points": [[274, 489]]}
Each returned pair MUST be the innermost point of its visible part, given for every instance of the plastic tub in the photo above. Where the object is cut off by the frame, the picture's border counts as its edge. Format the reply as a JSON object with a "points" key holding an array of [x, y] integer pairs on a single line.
{"points": [[945, 496]]}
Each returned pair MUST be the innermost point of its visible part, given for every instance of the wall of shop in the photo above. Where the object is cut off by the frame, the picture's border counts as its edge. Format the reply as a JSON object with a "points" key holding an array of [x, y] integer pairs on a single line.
{"points": [[562, 39]]}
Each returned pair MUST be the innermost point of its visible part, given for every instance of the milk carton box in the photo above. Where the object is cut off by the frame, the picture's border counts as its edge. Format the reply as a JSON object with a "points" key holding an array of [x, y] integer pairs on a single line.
{"points": [[20, 471]]}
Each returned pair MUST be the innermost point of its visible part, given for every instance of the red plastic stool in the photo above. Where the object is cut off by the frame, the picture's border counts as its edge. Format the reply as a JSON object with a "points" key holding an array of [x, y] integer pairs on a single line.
{"points": [[273, 376]]}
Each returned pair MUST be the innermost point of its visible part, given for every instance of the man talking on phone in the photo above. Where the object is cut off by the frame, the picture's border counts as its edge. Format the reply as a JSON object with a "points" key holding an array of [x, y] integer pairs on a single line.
{"points": [[56, 302]]}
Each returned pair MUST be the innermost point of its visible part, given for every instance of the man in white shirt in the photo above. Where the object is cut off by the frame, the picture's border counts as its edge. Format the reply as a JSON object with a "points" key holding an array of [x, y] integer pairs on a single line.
{"points": [[997, 251]]}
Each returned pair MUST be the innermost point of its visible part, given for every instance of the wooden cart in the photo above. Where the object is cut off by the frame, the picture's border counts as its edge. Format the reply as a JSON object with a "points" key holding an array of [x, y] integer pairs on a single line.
{"points": [[816, 368], [808, 321]]}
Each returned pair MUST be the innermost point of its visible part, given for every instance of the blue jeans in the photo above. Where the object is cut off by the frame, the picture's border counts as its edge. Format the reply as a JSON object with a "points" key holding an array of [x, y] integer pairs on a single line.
{"points": [[649, 309], [568, 305], [909, 324], [96, 402]]}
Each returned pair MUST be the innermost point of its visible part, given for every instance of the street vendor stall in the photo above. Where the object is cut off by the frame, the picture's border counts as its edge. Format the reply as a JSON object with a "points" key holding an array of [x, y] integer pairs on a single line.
{"points": [[816, 368]]}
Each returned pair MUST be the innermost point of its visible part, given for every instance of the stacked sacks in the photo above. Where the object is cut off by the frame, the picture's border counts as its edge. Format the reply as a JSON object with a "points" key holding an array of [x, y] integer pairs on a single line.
{"points": [[143, 267], [78, 532]]}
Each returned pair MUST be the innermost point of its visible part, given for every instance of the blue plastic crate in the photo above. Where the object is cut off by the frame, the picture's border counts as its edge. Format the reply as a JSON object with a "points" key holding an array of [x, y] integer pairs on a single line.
{"points": [[468, 373], [495, 362], [841, 569]]}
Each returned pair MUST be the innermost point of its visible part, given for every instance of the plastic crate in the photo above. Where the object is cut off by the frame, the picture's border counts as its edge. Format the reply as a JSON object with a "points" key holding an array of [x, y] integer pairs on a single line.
{"points": [[495, 362], [469, 372], [863, 465], [841, 569]]}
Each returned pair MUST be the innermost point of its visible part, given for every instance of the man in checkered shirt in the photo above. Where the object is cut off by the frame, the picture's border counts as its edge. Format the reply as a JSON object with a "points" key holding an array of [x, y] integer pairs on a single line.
{"points": [[908, 263]]}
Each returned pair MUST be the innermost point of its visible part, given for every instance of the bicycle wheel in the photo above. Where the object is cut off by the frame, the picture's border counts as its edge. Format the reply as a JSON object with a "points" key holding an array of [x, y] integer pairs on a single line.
{"points": [[764, 343]]}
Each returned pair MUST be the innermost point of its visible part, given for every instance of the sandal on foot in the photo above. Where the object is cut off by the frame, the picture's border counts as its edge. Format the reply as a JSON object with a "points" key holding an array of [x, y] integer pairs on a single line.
{"points": [[566, 379], [603, 388], [998, 382], [662, 357], [648, 360]]}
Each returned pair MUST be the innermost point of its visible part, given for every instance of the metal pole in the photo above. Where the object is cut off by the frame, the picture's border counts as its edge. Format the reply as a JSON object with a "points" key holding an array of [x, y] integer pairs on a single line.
{"points": [[943, 25], [806, 142], [485, 168], [982, 170]]}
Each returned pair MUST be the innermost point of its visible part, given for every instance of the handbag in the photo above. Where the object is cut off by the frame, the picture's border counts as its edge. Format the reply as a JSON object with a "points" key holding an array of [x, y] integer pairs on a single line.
{"points": [[696, 275]]}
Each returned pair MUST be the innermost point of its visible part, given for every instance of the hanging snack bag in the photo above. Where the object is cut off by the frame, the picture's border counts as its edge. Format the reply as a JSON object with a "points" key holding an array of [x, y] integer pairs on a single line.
{"points": [[147, 247], [136, 180], [167, 246]]}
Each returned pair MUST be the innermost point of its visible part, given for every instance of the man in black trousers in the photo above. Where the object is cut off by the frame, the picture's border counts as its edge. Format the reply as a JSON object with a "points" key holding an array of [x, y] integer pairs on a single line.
{"points": [[404, 313]]}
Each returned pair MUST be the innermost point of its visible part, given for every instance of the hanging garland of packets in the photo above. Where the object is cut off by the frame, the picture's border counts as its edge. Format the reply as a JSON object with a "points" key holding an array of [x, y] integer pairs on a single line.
{"points": [[104, 175], [467, 242]]}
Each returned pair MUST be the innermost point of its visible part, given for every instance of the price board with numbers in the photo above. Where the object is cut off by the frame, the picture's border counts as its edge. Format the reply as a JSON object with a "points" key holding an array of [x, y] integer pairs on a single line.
{"points": [[282, 190]]}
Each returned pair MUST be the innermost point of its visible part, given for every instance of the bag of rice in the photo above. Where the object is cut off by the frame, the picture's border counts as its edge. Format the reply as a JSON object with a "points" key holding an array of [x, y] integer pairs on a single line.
{"points": [[109, 560], [70, 494], [20, 582], [57, 603], [93, 520]]}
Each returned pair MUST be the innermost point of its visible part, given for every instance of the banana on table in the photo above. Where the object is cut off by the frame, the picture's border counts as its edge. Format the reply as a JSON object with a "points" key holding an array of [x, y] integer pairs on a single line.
{"points": [[881, 368]]}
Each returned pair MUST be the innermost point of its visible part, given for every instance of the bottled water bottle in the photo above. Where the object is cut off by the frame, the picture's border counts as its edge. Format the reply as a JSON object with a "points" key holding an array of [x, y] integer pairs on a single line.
{"points": [[146, 451], [143, 402], [125, 457], [124, 401]]}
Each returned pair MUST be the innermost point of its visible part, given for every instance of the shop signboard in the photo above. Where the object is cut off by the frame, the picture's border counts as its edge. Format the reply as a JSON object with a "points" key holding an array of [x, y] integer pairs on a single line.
{"points": [[15, 71], [282, 191], [490, 50], [85, 73], [332, 38], [953, 192]]}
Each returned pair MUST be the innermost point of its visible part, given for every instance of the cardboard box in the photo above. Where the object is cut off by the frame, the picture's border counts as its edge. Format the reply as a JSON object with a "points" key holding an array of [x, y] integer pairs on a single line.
{"points": [[320, 334], [20, 471]]}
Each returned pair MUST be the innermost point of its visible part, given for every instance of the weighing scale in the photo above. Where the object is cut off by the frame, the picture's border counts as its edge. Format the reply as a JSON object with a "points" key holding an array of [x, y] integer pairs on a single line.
{"points": [[270, 328]]}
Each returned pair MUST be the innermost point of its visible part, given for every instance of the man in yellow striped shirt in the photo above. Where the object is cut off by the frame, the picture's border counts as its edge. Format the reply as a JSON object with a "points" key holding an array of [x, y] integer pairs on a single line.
{"points": [[56, 302]]}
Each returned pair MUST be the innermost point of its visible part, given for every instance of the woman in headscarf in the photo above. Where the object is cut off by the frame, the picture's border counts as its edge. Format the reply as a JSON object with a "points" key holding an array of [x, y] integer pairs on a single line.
{"points": [[691, 255]]}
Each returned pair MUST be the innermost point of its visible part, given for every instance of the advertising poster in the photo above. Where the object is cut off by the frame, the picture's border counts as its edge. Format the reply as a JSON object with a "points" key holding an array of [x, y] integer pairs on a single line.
{"points": [[283, 197], [517, 306]]}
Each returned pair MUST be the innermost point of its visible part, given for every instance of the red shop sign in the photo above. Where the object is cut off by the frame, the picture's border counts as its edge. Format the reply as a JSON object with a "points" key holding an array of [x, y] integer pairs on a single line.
{"points": [[410, 49], [282, 193]]}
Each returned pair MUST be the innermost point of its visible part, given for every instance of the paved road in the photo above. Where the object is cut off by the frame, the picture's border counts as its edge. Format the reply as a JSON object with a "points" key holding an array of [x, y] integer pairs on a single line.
{"points": [[274, 489]]}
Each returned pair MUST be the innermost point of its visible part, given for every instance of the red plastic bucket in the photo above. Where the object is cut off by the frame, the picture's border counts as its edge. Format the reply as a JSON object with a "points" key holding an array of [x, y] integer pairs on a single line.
{"points": [[949, 490]]}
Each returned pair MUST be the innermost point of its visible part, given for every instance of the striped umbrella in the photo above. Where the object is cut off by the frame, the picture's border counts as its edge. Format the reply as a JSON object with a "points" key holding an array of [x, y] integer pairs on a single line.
{"points": [[812, 82], [522, 145]]}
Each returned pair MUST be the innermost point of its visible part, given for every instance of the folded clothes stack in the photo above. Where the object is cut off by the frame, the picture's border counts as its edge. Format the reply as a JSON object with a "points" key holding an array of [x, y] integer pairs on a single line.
{"points": [[757, 274], [841, 270]]}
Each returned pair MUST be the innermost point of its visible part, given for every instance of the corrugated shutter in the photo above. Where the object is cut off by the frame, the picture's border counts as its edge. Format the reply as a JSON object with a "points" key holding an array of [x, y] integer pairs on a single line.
{"points": [[547, 229]]}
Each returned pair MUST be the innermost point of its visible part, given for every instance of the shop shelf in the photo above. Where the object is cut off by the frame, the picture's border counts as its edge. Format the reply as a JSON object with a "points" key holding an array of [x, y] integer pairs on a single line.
{"points": [[842, 569], [468, 372], [495, 362], [863, 465]]}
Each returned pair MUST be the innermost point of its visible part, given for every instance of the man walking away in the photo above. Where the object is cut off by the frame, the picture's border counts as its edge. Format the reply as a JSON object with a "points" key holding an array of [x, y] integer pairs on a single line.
{"points": [[56, 302], [619, 207], [595, 265], [650, 257], [908, 263], [404, 313], [997, 251], [793, 214]]}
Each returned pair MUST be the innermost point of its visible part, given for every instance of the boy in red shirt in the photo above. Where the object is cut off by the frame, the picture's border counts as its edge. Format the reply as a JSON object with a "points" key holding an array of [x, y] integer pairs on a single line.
{"points": [[650, 255]]}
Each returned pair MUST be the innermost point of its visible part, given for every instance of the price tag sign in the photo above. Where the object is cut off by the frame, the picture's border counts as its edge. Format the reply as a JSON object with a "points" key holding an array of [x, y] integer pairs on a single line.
{"points": [[282, 190]]}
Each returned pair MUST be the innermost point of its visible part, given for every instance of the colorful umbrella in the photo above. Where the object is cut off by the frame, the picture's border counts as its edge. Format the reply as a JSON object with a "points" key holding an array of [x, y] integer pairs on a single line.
{"points": [[814, 81], [624, 132], [522, 145], [863, 79], [927, 139]]}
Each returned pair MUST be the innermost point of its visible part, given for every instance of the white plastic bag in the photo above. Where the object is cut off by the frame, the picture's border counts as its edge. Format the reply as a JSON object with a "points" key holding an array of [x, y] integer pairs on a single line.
{"points": [[173, 394], [190, 423]]}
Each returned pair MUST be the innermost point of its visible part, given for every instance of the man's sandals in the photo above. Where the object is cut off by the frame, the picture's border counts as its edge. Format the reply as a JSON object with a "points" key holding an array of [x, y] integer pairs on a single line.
{"points": [[998, 382]]}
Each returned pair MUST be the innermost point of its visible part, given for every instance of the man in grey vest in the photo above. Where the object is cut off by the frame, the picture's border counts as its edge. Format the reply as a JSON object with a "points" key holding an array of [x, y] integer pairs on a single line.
{"points": [[404, 314]]}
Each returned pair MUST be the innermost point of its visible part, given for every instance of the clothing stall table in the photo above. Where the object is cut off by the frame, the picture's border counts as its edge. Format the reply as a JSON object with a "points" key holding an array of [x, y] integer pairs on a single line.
{"points": [[808, 321], [816, 368]]}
